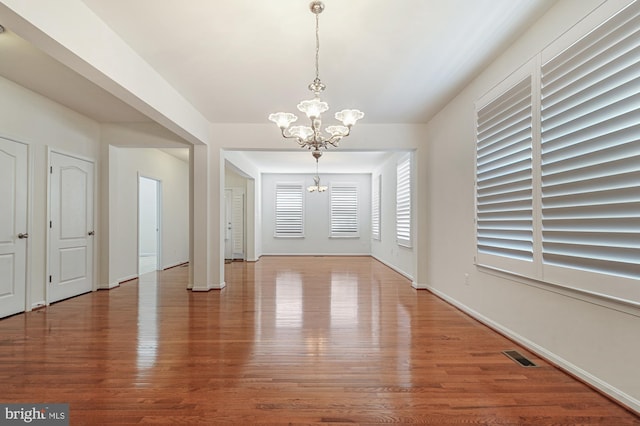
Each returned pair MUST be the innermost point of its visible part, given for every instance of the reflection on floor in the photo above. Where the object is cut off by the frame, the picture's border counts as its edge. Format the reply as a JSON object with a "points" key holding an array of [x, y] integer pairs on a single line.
{"points": [[147, 263]]}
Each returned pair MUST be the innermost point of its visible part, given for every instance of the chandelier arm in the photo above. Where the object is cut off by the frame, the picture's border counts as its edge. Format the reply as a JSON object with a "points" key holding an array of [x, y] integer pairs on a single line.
{"points": [[300, 142], [333, 140], [284, 135], [306, 144]]}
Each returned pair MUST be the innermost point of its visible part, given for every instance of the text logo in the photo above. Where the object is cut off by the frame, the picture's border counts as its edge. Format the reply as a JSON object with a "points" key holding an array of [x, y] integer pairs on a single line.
{"points": [[34, 414]]}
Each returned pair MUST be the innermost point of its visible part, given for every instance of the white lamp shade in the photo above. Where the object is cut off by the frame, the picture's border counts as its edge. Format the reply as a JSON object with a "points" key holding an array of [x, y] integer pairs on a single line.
{"points": [[283, 119], [301, 132], [313, 108], [348, 117], [337, 130]]}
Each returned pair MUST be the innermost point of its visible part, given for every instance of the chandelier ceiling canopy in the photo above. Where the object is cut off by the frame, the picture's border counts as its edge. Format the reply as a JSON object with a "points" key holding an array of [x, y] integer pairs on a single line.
{"points": [[313, 137]]}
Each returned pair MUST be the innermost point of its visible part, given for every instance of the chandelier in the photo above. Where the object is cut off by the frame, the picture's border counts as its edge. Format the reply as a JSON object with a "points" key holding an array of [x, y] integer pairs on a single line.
{"points": [[313, 137], [316, 179]]}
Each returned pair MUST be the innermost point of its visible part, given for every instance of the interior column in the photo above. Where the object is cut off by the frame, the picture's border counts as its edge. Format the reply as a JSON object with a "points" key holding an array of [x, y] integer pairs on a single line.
{"points": [[199, 224]]}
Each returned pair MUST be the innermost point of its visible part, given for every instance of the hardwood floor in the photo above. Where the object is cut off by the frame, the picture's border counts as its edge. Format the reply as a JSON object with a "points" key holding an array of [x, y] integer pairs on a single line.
{"points": [[303, 340]]}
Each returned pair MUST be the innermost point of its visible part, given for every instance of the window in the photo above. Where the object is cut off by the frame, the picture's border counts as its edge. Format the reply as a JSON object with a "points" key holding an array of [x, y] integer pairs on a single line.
{"points": [[504, 179], [590, 139], [344, 210], [289, 210], [403, 202], [375, 207], [558, 163]]}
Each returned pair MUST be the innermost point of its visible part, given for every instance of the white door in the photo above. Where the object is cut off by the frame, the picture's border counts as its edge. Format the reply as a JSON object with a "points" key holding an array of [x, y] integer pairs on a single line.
{"points": [[71, 227], [228, 227], [237, 224], [148, 225], [13, 227]]}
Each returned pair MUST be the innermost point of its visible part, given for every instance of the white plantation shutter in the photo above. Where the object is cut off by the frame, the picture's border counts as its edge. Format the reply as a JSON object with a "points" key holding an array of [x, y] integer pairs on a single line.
{"points": [[504, 180], [558, 162], [289, 210], [403, 202], [344, 210], [591, 152], [375, 207]]}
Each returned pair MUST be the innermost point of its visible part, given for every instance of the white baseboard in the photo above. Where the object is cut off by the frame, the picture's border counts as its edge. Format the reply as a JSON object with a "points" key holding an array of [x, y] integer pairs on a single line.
{"points": [[401, 272], [38, 305], [199, 289], [209, 287], [173, 265], [604, 387], [109, 286], [127, 278], [316, 254]]}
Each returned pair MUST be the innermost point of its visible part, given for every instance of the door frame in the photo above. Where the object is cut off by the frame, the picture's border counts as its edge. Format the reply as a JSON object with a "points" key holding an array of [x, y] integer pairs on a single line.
{"points": [[158, 222], [95, 241]]}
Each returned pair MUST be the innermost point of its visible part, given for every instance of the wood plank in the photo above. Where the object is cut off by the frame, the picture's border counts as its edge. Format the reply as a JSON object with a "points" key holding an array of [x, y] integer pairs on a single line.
{"points": [[290, 340]]}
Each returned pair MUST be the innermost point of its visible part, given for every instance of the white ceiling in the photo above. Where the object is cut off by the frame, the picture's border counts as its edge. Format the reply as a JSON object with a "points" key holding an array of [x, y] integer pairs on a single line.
{"points": [[236, 61]]}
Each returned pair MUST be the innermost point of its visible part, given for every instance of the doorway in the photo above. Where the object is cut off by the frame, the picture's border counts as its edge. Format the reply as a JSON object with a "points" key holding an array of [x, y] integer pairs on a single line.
{"points": [[149, 223], [234, 238]]}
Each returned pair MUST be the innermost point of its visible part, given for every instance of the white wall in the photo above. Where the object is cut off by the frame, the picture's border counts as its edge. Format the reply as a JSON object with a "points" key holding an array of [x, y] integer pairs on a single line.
{"points": [[316, 217], [126, 164], [593, 339], [43, 124], [387, 249], [233, 179]]}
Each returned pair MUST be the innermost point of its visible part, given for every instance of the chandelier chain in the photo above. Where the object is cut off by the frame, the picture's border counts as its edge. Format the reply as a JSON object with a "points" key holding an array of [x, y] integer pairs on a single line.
{"points": [[317, 46]]}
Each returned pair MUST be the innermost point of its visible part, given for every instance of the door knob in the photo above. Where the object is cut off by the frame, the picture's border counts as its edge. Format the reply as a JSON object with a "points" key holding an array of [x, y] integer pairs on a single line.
{"points": [[92, 233], [23, 236]]}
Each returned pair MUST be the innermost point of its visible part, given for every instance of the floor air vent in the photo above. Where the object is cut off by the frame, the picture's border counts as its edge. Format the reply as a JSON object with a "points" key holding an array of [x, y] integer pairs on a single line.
{"points": [[519, 358]]}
